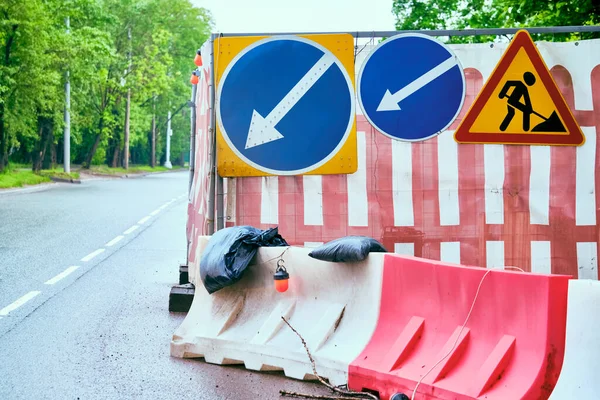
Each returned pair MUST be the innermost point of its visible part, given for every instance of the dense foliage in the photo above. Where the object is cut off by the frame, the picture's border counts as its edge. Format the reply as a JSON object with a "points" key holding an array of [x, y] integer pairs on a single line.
{"points": [[462, 14], [36, 51]]}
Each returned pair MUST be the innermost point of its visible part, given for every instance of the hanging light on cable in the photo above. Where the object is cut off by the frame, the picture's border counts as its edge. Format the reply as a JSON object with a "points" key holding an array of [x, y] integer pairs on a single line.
{"points": [[281, 277], [198, 58]]}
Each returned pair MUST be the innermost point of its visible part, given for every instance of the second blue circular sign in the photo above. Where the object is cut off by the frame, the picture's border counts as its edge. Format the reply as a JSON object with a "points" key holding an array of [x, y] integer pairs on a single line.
{"points": [[411, 87]]}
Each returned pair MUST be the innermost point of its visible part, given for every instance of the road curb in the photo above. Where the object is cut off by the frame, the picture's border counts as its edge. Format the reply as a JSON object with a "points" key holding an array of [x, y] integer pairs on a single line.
{"points": [[63, 180], [27, 189], [133, 174]]}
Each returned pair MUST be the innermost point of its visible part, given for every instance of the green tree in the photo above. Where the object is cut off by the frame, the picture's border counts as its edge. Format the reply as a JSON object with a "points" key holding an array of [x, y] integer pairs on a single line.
{"points": [[28, 77], [36, 52], [460, 14]]}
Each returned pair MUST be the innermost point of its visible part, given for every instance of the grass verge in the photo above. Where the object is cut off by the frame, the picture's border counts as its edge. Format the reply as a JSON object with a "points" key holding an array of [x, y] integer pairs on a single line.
{"points": [[19, 175], [59, 173], [20, 178]]}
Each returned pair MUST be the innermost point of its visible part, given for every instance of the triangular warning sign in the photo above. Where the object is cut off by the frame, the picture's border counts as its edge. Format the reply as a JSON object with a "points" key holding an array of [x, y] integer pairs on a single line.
{"points": [[520, 103]]}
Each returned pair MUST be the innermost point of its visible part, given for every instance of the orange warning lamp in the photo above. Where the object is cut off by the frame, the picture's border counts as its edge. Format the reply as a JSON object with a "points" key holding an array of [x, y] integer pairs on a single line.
{"points": [[281, 277], [198, 59], [194, 78]]}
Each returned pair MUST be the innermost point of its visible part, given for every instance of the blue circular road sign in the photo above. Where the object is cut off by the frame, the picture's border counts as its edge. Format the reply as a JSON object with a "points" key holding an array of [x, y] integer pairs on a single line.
{"points": [[285, 105], [411, 87]]}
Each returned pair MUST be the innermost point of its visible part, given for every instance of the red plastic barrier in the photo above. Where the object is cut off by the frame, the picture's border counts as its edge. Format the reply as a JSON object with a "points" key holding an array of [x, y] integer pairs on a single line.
{"points": [[511, 348]]}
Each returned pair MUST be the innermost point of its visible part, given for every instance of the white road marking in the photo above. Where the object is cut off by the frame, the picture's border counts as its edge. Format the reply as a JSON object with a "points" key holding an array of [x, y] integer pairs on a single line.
{"points": [[164, 206], [133, 228], [12, 307], [143, 220], [155, 212], [115, 241], [61, 276], [92, 255]]}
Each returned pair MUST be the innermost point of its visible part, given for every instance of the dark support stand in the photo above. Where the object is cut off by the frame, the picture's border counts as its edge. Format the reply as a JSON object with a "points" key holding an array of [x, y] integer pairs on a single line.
{"points": [[180, 298]]}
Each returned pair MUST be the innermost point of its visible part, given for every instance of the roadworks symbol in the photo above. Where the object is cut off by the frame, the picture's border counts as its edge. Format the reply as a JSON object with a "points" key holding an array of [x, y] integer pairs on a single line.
{"points": [[520, 103]]}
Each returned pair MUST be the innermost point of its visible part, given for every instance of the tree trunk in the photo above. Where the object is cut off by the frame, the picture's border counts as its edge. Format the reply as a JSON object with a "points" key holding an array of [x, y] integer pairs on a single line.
{"points": [[45, 136], [37, 152], [53, 155], [92, 152], [115, 158], [153, 155]]}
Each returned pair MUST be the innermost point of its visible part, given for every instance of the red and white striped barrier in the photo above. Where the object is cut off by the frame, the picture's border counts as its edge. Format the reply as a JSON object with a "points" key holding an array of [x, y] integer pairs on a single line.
{"points": [[485, 205]]}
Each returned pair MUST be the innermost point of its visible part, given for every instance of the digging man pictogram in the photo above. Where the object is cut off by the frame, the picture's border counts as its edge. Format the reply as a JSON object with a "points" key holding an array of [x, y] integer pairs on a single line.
{"points": [[521, 91], [514, 100]]}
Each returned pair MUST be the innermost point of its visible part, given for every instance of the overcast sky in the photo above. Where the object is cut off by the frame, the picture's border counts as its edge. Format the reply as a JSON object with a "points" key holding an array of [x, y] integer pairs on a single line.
{"points": [[254, 16]]}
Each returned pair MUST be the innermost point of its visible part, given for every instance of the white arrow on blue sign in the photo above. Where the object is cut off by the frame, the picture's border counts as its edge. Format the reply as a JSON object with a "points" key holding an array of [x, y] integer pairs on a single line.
{"points": [[411, 87], [285, 105]]}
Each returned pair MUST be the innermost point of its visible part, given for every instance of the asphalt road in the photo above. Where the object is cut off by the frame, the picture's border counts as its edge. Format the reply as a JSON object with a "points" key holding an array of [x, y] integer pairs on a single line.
{"points": [[80, 323]]}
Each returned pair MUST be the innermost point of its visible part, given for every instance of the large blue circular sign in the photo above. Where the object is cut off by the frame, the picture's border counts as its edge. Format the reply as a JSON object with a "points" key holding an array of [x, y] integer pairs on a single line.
{"points": [[285, 105], [411, 87]]}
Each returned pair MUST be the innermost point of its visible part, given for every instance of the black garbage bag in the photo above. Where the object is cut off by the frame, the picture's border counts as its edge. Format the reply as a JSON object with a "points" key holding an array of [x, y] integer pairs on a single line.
{"points": [[230, 250], [347, 249]]}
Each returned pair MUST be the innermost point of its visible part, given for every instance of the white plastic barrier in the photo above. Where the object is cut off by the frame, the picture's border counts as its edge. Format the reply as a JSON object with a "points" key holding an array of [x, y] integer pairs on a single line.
{"points": [[334, 306], [193, 268], [579, 375]]}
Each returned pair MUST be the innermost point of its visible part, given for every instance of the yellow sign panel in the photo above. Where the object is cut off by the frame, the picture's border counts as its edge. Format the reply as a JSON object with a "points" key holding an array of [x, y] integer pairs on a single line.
{"points": [[520, 103], [285, 105]]}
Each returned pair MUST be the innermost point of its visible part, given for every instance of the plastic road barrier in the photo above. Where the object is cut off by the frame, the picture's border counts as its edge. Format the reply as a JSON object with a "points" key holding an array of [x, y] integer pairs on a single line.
{"points": [[193, 269], [511, 348], [579, 375], [334, 306]]}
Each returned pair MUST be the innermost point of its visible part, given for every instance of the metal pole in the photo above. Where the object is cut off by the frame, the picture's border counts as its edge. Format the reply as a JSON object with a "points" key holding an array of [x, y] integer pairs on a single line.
{"points": [[67, 131], [440, 32], [192, 136], [127, 107], [169, 133], [220, 203], [212, 131], [192, 104], [153, 152]]}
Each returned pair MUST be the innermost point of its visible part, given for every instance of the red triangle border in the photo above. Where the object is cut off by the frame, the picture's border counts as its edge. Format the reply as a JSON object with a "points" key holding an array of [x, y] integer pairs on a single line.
{"points": [[523, 40]]}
